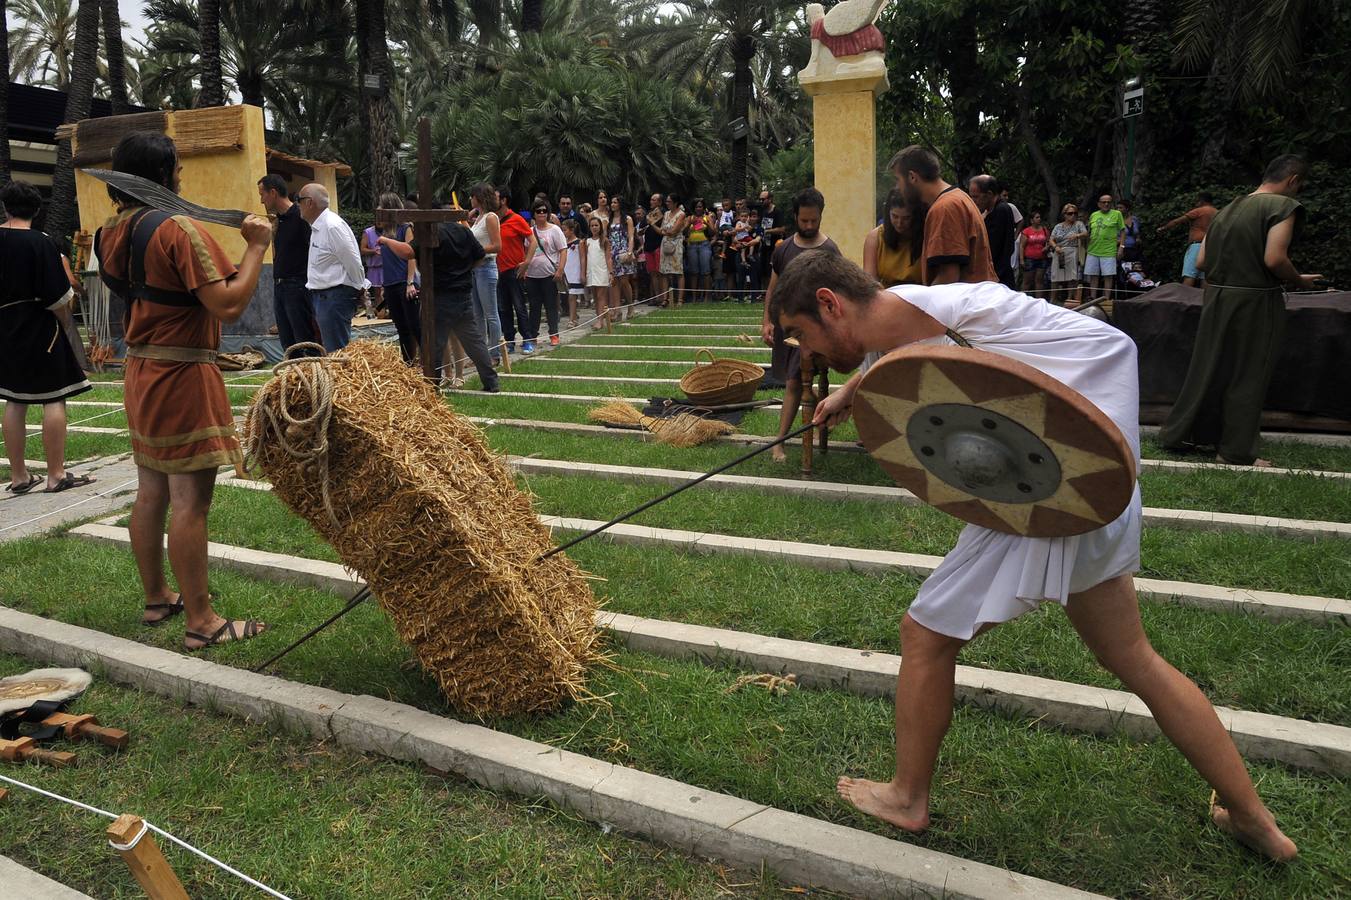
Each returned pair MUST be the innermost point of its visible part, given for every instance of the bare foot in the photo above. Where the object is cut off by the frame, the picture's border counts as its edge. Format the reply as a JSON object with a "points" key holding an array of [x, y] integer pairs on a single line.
{"points": [[1264, 837], [880, 800], [1256, 463], [222, 632], [778, 456]]}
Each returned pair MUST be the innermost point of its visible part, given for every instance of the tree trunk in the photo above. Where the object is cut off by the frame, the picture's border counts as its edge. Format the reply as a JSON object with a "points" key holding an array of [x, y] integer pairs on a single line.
{"points": [[532, 16], [4, 94], [117, 67], [379, 113], [743, 52], [250, 86], [1034, 150], [61, 212], [1097, 176], [213, 81]]}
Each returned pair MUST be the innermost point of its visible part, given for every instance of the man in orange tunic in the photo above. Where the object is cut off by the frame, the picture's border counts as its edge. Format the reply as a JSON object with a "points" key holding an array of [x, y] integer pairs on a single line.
{"points": [[179, 286]]}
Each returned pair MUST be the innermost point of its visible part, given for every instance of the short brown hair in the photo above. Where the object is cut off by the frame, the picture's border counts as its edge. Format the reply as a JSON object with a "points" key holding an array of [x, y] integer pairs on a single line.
{"points": [[795, 290], [920, 160]]}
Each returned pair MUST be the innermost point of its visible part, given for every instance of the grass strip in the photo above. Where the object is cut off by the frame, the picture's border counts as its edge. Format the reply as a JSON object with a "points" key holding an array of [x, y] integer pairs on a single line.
{"points": [[1250, 493], [1236, 560], [314, 820], [1286, 668], [1106, 815]]}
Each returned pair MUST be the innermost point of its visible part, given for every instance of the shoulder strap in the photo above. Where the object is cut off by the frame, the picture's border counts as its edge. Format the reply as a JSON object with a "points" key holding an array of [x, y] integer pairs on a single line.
{"points": [[143, 227]]}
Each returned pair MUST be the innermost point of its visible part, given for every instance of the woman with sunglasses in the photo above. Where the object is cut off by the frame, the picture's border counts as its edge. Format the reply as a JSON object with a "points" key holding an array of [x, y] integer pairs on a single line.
{"points": [[1064, 246], [543, 267]]}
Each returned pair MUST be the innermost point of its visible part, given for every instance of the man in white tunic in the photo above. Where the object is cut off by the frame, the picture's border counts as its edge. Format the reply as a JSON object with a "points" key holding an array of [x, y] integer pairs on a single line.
{"points": [[840, 313]]}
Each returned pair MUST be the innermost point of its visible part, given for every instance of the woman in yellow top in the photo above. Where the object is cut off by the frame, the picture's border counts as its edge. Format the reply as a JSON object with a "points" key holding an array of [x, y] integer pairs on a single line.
{"points": [[892, 252], [699, 231]]}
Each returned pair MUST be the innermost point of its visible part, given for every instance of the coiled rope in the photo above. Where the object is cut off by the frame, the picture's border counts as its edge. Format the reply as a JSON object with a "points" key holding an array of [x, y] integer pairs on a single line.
{"points": [[304, 438]]}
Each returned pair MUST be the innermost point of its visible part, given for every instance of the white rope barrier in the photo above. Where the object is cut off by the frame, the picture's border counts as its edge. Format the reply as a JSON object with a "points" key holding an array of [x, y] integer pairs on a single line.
{"points": [[146, 826]]}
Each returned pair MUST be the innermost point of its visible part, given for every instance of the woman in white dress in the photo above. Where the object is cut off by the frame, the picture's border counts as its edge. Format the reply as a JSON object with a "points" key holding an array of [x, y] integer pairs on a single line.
{"points": [[596, 263], [991, 577]]}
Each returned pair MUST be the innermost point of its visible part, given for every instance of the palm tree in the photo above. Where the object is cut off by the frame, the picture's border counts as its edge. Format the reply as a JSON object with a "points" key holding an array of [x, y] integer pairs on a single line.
{"points": [[532, 16], [373, 59], [264, 63], [212, 92], [44, 43], [719, 38], [117, 67], [61, 213], [1248, 49], [4, 94]]}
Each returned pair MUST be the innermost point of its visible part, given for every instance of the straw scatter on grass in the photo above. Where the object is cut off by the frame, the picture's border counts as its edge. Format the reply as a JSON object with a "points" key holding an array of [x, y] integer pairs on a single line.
{"points": [[433, 521], [681, 430]]}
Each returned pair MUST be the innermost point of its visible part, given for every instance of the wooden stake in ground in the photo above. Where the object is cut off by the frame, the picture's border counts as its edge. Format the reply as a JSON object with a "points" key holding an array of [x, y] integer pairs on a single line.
{"points": [[426, 235], [138, 849]]}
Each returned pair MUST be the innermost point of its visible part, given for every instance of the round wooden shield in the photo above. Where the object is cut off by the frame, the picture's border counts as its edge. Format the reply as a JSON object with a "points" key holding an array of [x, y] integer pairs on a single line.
{"points": [[22, 691], [994, 441]]}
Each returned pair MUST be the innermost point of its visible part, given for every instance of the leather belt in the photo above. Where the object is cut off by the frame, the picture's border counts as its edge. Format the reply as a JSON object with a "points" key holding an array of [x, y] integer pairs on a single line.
{"points": [[171, 354]]}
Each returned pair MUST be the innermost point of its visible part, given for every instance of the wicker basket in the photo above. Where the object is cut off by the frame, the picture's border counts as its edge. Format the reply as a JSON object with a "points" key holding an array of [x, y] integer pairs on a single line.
{"points": [[721, 381]]}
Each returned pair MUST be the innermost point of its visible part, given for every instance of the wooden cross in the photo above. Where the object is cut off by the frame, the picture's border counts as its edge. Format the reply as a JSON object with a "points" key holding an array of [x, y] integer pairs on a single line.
{"points": [[426, 235]]}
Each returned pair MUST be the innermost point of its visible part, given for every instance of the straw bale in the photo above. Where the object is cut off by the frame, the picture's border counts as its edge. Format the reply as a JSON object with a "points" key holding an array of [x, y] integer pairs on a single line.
{"points": [[434, 522]]}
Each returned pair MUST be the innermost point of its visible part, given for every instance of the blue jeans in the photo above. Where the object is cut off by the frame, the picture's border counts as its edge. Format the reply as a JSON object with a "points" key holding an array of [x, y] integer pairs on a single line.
{"points": [[699, 258], [485, 305], [334, 308], [294, 312], [511, 313]]}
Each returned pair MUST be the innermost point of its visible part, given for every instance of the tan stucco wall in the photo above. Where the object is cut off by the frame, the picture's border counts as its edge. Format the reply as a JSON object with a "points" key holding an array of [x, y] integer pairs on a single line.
{"points": [[226, 180]]}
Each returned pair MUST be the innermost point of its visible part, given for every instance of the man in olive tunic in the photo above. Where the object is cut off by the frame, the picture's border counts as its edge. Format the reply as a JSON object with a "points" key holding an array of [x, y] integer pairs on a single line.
{"points": [[1246, 258]]}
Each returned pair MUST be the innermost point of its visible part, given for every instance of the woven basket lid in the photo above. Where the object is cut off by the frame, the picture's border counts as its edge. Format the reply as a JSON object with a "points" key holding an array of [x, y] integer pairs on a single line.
{"points": [[994, 441], [22, 691]]}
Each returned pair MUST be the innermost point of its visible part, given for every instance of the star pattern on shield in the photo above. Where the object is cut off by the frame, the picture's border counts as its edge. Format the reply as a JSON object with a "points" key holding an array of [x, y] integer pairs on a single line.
{"points": [[1028, 410]]}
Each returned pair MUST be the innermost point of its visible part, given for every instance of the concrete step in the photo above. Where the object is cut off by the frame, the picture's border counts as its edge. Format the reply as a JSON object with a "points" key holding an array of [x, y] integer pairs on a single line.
{"points": [[1080, 707]]}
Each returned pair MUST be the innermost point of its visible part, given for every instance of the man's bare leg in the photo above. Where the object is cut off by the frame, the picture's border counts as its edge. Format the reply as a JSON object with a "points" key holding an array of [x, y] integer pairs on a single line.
{"points": [[147, 539], [16, 437], [190, 496], [792, 401], [924, 691], [1107, 617]]}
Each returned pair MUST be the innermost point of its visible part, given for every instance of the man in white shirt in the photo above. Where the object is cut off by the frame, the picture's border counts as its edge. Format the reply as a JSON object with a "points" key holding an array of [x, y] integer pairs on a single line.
{"points": [[335, 276], [840, 314]]}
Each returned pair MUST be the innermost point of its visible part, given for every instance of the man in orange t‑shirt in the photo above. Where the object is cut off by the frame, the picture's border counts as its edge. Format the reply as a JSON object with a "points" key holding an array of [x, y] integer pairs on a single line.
{"points": [[956, 244], [1199, 218]]}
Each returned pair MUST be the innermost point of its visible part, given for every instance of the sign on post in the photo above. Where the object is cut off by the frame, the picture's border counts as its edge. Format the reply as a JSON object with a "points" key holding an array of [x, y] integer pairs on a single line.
{"points": [[1132, 103]]}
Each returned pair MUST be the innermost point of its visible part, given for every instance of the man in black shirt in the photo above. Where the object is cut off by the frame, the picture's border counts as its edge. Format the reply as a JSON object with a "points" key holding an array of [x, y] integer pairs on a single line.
{"points": [[999, 228], [291, 304], [452, 268]]}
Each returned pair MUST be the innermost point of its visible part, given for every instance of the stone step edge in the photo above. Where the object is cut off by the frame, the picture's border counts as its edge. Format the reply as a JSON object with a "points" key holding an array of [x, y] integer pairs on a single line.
{"points": [[699, 822], [1269, 604], [869, 673], [1161, 465], [1191, 520]]}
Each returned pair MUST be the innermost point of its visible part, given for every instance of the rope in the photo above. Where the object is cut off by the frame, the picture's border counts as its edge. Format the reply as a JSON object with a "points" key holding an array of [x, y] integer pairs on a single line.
{"points": [[144, 827], [570, 329], [303, 438]]}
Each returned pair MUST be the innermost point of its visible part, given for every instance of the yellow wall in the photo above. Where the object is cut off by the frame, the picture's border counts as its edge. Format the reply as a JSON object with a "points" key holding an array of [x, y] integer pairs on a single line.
{"points": [[226, 180], [845, 147]]}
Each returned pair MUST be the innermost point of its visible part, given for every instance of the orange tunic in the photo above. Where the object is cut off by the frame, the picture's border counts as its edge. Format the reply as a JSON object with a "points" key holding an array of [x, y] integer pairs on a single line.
{"points": [[178, 413]]}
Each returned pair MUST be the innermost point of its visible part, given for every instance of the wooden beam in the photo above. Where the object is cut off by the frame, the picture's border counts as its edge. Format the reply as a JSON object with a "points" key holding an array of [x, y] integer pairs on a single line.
{"points": [[145, 860]]}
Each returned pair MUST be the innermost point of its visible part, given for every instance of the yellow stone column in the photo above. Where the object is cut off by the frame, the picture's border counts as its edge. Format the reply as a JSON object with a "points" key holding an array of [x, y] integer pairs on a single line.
{"points": [[845, 142]]}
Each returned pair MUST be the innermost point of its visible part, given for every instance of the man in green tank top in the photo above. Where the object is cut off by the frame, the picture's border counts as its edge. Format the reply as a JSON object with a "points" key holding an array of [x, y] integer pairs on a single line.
{"points": [[1246, 259]]}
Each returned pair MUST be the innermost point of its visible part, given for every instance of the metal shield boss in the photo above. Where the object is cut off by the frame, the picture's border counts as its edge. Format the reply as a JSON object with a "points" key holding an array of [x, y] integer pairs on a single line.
{"points": [[994, 442]]}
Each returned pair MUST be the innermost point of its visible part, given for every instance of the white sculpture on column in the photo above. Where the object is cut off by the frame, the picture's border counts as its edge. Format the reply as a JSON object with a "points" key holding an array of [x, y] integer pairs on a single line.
{"points": [[846, 42]]}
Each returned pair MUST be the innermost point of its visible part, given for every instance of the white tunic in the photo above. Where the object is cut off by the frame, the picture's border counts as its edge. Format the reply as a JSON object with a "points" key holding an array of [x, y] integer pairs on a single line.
{"points": [[991, 576]]}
